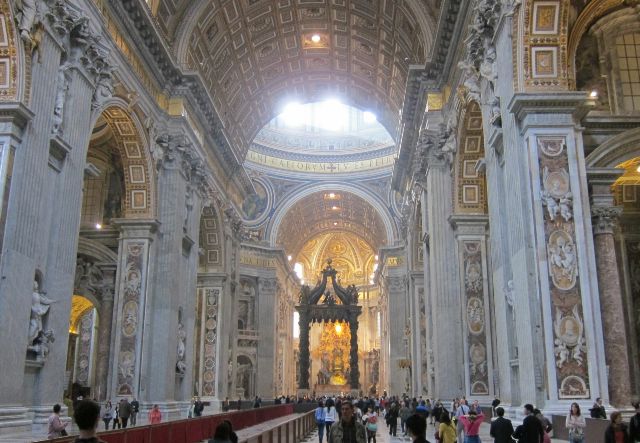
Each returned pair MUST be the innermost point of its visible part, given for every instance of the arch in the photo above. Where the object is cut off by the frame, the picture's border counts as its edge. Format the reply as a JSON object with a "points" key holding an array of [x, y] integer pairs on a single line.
{"points": [[139, 175], [97, 250], [14, 64], [470, 190], [299, 194], [366, 69], [616, 150], [211, 241], [590, 14]]}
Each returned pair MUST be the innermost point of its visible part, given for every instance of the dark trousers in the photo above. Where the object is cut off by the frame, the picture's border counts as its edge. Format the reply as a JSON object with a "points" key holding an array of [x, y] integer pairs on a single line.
{"points": [[124, 421], [106, 423], [134, 416], [371, 435], [393, 428], [116, 422], [321, 431]]}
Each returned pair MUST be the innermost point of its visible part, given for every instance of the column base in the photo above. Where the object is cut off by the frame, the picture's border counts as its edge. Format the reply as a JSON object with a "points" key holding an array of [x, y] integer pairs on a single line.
{"points": [[14, 420]]}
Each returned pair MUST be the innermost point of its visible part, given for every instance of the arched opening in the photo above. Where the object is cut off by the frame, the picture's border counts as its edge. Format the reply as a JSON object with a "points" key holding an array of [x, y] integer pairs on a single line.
{"points": [[245, 377], [82, 349]]}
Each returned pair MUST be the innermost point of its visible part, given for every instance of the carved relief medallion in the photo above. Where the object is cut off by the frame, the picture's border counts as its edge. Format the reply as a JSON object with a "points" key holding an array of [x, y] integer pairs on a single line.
{"points": [[573, 387], [563, 265], [475, 315], [551, 146]]}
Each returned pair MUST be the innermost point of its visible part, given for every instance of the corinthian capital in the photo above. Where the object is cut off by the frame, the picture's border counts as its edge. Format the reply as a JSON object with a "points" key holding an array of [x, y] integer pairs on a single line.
{"points": [[605, 218]]}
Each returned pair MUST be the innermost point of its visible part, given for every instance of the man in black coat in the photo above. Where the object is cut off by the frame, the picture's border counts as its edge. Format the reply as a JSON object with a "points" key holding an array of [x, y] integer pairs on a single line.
{"points": [[501, 428], [530, 431]]}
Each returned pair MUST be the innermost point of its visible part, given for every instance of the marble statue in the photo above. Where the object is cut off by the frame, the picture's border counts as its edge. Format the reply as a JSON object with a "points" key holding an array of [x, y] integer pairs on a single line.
{"points": [[26, 17], [40, 345], [181, 366], [61, 96], [40, 305]]}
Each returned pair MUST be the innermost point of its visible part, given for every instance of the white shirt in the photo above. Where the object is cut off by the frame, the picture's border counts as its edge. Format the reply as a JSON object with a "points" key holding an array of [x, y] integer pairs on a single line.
{"points": [[330, 415]]}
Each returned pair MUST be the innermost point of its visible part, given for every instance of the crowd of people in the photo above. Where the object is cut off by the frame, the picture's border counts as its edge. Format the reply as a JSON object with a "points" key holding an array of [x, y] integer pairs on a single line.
{"points": [[349, 420]]}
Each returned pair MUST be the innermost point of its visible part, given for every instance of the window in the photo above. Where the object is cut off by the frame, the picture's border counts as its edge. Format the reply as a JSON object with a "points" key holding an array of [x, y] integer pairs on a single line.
{"points": [[628, 51]]}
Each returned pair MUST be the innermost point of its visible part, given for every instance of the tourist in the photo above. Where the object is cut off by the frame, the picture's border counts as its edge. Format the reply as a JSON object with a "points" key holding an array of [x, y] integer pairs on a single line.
{"points": [[405, 413], [597, 410], [256, 402], [87, 418], [135, 408], [576, 424], [226, 404], [471, 425], [116, 416], [56, 427], [501, 428], [190, 413], [222, 434], [617, 431], [494, 404], [417, 428], [530, 431], [438, 409], [107, 414], [461, 410], [125, 412], [634, 424], [320, 416], [155, 416], [371, 425], [232, 435], [198, 407], [446, 431], [348, 429], [330, 416], [421, 409], [392, 419]]}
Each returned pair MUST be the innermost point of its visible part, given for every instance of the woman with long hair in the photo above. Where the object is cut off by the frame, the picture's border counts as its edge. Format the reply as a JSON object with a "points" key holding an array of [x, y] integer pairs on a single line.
{"points": [[446, 432], [330, 416], [576, 424]]}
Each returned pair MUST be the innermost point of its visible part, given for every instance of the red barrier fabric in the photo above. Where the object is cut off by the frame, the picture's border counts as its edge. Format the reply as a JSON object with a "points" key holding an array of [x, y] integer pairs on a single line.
{"points": [[192, 430]]}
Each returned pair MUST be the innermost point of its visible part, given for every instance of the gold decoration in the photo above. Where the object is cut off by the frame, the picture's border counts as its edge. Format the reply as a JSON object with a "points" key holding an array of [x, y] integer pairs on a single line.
{"points": [[333, 353], [79, 306]]}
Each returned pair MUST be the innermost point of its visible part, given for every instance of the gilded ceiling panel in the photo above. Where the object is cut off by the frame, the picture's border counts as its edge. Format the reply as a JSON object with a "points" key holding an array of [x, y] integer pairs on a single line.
{"points": [[255, 55]]}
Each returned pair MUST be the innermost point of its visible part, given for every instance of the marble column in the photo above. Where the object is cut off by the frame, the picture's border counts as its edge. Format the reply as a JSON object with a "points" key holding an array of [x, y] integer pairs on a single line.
{"points": [[266, 315], [471, 236], [444, 290], [105, 321], [605, 216], [396, 288], [130, 326]]}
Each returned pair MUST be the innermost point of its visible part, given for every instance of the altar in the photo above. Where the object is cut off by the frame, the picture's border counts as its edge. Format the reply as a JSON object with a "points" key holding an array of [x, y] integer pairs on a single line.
{"points": [[337, 312]]}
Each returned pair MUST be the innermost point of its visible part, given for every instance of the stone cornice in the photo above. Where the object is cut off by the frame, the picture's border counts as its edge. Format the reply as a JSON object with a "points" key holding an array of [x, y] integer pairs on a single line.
{"points": [[470, 224], [575, 104]]}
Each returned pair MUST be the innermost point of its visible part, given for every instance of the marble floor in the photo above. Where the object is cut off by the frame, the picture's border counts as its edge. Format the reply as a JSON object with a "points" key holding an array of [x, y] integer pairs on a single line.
{"points": [[384, 437]]}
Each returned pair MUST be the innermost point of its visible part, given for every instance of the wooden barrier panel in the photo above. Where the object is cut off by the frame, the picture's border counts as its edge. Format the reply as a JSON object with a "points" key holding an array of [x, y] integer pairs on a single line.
{"points": [[192, 430]]}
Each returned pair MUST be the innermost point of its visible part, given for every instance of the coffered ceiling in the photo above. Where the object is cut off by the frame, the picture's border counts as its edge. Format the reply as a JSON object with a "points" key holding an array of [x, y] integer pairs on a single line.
{"points": [[323, 212], [256, 55]]}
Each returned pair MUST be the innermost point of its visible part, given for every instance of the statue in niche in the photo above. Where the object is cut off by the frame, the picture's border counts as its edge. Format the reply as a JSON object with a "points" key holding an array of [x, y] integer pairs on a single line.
{"points": [[188, 206], [181, 366], [61, 96], [26, 12], [40, 305]]}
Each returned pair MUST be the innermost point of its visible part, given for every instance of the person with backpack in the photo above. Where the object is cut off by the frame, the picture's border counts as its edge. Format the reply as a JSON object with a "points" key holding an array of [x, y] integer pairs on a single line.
{"points": [[320, 416], [446, 432], [371, 424]]}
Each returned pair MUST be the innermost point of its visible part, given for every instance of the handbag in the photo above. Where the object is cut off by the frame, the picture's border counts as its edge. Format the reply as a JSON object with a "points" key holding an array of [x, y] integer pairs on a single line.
{"points": [[372, 427]]}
